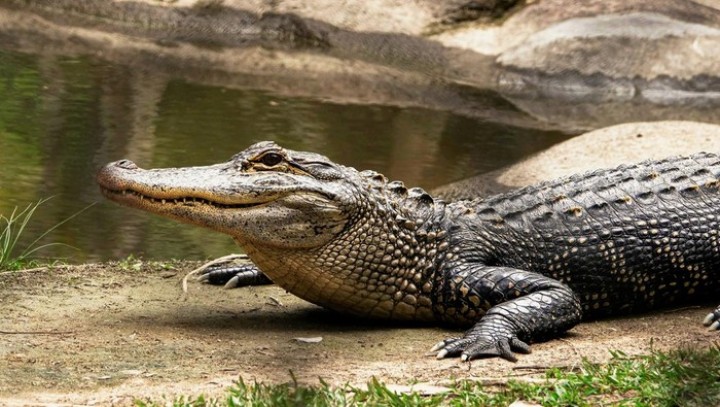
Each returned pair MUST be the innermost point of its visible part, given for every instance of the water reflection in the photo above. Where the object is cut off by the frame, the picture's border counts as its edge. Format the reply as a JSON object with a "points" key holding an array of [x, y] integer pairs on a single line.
{"points": [[63, 117]]}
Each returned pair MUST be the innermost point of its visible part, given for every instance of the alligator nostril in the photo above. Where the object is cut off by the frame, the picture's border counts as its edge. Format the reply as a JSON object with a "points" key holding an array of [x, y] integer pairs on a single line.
{"points": [[126, 164]]}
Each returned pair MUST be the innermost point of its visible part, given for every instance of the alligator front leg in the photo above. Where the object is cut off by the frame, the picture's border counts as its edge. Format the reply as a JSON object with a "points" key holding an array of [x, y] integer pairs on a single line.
{"points": [[512, 307], [234, 275]]}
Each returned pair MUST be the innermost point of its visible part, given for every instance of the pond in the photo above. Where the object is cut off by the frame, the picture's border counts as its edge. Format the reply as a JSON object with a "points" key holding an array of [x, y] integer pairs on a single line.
{"points": [[62, 117]]}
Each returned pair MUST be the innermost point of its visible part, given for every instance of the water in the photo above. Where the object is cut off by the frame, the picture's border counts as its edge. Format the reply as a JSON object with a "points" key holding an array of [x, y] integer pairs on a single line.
{"points": [[62, 117]]}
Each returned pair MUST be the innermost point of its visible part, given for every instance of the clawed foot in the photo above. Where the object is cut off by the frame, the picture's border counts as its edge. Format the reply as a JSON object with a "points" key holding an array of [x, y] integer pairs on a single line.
{"points": [[234, 276], [712, 320], [477, 344], [483, 342]]}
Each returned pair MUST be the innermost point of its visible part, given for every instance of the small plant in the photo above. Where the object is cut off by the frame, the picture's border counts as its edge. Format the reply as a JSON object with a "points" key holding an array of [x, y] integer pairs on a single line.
{"points": [[13, 226], [130, 263]]}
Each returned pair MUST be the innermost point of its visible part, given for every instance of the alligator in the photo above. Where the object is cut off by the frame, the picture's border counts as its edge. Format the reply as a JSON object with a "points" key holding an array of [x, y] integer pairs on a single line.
{"points": [[515, 268]]}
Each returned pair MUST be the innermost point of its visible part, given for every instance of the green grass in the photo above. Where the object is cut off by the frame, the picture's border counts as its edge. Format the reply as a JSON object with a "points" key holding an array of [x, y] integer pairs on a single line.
{"points": [[688, 377], [12, 227]]}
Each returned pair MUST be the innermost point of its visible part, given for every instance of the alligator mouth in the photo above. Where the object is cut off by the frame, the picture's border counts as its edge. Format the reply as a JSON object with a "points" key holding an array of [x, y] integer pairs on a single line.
{"points": [[129, 195]]}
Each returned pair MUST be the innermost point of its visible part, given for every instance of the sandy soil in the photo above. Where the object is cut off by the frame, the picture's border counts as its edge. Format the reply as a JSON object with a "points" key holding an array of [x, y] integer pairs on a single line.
{"points": [[106, 334]]}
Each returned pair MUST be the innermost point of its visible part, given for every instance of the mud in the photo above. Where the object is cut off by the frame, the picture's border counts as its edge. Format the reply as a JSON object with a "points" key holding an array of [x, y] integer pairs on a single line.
{"points": [[109, 333]]}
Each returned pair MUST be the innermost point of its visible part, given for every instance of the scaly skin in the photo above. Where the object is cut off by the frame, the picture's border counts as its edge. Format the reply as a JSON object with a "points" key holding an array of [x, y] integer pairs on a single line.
{"points": [[519, 267]]}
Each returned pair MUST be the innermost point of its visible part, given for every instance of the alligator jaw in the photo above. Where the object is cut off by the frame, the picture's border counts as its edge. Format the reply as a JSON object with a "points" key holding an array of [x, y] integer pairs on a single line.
{"points": [[197, 195], [136, 198], [166, 190]]}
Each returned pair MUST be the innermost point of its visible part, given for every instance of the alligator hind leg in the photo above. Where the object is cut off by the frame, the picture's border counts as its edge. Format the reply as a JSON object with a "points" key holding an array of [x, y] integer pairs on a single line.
{"points": [[511, 307], [712, 320], [234, 275]]}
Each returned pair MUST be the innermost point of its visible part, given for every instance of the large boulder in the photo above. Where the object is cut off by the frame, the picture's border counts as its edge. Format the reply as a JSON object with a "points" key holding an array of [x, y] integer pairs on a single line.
{"points": [[663, 51]]}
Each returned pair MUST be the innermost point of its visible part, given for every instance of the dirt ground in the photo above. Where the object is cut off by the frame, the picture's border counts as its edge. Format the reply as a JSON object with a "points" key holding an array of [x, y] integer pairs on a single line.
{"points": [[104, 334]]}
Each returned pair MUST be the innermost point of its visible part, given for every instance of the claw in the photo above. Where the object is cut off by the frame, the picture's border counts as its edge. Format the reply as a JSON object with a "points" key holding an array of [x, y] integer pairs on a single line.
{"points": [[499, 348], [233, 282], [469, 348], [519, 346], [203, 278], [709, 319], [439, 345], [714, 327]]}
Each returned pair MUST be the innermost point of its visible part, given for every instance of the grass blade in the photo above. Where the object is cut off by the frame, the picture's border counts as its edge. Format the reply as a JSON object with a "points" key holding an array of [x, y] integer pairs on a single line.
{"points": [[14, 226], [29, 249]]}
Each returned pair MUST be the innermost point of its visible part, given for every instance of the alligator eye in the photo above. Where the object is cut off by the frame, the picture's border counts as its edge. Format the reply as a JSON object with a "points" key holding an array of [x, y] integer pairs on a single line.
{"points": [[271, 159]]}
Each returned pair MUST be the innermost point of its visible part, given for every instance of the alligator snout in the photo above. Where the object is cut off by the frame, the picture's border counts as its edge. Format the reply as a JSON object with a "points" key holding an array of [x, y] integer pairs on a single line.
{"points": [[112, 175]]}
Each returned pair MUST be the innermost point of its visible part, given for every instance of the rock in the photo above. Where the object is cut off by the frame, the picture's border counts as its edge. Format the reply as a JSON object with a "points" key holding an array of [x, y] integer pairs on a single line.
{"points": [[389, 16], [314, 339], [640, 43], [661, 51], [603, 148]]}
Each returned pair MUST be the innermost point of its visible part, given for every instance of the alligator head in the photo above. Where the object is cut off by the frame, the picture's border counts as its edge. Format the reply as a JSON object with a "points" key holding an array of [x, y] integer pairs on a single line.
{"points": [[264, 195], [325, 232]]}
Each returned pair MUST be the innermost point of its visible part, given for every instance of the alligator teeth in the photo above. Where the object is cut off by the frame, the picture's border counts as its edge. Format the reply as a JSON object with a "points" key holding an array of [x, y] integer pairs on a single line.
{"points": [[188, 201]]}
